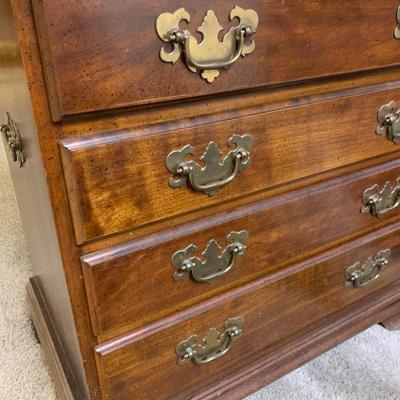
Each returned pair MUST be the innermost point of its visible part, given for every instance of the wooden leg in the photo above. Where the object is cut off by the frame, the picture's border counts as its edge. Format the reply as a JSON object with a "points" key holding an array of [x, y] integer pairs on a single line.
{"points": [[62, 374], [392, 323]]}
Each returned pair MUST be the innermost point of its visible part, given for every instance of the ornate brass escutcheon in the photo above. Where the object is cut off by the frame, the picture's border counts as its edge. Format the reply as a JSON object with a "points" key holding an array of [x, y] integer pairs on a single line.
{"points": [[397, 30], [211, 54], [215, 263], [213, 175], [13, 140], [379, 203], [213, 345], [389, 121], [359, 275]]}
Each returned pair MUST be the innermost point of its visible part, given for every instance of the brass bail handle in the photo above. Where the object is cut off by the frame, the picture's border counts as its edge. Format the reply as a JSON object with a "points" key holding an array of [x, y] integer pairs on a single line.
{"points": [[214, 264], [397, 30], [213, 346], [359, 275], [380, 202], [186, 169], [13, 140], [215, 174], [389, 121], [181, 37], [211, 54]]}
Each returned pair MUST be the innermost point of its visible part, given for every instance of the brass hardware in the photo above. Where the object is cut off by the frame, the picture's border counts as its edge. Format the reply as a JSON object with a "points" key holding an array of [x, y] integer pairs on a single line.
{"points": [[379, 203], [210, 55], [397, 30], [389, 121], [213, 175], [13, 140], [359, 275], [213, 346], [214, 264]]}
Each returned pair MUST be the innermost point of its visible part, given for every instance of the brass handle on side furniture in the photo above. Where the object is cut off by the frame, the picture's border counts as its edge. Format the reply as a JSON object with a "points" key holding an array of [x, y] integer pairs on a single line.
{"points": [[214, 264], [389, 121], [213, 345], [211, 54], [379, 203], [13, 140], [360, 275], [214, 175]]}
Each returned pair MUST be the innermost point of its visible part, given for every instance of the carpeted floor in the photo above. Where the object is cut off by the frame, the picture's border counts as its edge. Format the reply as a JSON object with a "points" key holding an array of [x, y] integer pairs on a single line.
{"points": [[366, 367]]}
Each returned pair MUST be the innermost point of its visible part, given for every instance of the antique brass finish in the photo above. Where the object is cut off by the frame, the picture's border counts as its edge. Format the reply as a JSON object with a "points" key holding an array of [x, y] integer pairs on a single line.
{"points": [[379, 203], [214, 264], [359, 275], [213, 345], [210, 55], [13, 140], [397, 30], [389, 121], [213, 175]]}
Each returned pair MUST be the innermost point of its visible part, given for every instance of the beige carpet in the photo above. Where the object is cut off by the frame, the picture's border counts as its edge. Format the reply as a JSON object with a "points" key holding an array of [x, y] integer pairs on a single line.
{"points": [[366, 367]]}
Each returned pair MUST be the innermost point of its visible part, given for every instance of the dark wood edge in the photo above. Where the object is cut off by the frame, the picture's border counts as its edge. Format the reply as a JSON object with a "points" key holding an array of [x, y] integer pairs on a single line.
{"points": [[66, 384], [392, 323], [72, 193], [127, 133], [285, 358]]}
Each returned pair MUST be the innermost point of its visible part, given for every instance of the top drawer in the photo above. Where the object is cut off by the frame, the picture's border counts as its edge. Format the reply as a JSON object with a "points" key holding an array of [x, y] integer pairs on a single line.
{"points": [[102, 55]]}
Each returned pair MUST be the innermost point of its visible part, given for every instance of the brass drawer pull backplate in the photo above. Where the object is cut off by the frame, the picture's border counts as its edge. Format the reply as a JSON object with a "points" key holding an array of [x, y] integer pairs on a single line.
{"points": [[211, 54], [13, 140], [359, 275], [213, 345], [215, 263], [397, 30], [214, 175], [379, 203], [389, 121]]}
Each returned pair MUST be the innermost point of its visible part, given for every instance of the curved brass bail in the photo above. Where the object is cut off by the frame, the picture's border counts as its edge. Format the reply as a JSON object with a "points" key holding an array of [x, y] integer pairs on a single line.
{"points": [[380, 202], [359, 275], [213, 346], [221, 63], [214, 264], [215, 174], [210, 55]]}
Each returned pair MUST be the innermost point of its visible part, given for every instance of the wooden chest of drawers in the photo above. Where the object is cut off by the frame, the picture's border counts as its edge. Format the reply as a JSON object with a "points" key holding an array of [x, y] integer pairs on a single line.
{"points": [[210, 191]]}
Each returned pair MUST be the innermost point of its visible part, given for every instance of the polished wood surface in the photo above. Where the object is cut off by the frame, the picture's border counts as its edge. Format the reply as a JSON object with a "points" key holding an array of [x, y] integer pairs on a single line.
{"points": [[21, 96], [103, 55], [273, 312], [118, 181], [102, 223], [40, 191], [121, 278]]}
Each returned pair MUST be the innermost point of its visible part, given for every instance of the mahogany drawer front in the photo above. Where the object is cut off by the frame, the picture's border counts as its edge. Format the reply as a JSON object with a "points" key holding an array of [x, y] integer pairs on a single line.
{"points": [[119, 180], [280, 230], [102, 55], [272, 313]]}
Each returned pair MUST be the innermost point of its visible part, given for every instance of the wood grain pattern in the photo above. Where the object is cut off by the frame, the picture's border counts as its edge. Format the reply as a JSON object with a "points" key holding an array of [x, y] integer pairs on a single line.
{"points": [[274, 312], [281, 359], [104, 55], [122, 277], [41, 191], [118, 181], [294, 304]]}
